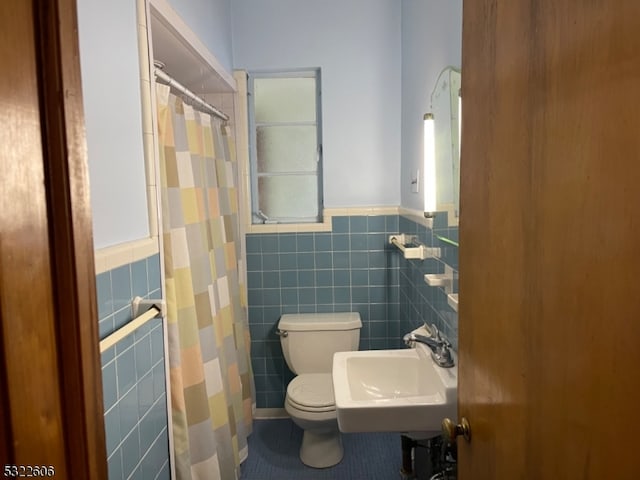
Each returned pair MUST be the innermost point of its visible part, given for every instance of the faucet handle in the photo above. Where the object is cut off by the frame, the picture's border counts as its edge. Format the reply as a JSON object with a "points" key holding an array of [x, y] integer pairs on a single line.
{"points": [[435, 333]]}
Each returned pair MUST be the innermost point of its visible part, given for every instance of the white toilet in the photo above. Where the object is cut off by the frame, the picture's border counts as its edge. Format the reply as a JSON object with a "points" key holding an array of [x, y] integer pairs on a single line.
{"points": [[309, 341]]}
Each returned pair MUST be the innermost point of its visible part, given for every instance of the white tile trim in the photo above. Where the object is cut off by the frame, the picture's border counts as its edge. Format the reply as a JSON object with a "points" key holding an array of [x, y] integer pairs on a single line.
{"points": [[416, 216], [325, 226], [125, 253], [148, 123], [366, 211], [115, 256]]}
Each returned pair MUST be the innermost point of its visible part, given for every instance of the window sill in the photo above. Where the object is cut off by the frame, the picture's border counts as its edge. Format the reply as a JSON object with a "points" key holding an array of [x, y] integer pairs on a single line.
{"points": [[325, 226]]}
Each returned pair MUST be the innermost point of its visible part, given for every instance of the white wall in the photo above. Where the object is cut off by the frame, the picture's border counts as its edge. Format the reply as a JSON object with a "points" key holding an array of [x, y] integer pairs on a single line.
{"points": [[431, 40], [210, 20], [111, 94], [357, 45]]}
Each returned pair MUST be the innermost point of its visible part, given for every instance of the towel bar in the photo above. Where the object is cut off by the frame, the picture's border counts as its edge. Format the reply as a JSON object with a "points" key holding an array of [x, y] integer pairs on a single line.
{"points": [[412, 249], [129, 328]]}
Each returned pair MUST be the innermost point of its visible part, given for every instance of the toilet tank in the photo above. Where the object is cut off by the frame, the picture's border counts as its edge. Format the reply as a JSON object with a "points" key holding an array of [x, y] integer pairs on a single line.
{"points": [[309, 340]]}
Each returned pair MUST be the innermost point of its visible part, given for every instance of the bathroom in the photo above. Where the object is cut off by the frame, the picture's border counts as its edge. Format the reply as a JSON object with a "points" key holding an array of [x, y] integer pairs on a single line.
{"points": [[380, 64], [377, 76]]}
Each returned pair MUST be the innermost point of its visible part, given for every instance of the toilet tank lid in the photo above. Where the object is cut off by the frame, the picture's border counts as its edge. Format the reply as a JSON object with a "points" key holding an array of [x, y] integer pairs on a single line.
{"points": [[320, 321]]}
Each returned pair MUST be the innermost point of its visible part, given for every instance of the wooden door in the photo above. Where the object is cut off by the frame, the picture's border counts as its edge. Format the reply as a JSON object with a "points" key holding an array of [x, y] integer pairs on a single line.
{"points": [[549, 329], [51, 421]]}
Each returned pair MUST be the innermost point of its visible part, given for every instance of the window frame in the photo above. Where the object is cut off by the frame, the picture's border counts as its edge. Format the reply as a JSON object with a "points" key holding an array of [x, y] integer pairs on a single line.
{"points": [[255, 217]]}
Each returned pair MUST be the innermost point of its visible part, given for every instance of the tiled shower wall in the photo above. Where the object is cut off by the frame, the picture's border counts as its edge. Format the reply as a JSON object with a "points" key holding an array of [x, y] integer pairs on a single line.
{"points": [[351, 268], [133, 376]]}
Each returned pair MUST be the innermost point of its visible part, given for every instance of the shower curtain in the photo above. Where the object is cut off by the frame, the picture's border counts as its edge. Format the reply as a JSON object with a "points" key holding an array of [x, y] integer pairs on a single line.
{"points": [[210, 371]]}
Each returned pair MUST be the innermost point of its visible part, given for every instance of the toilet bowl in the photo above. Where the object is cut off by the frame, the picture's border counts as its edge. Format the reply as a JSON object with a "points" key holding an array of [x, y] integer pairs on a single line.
{"points": [[308, 343], [310, 404]]}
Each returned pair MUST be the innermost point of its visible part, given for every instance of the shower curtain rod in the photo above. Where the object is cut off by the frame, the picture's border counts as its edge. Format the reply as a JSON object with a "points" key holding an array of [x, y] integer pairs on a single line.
{"points": [[172, 82]]}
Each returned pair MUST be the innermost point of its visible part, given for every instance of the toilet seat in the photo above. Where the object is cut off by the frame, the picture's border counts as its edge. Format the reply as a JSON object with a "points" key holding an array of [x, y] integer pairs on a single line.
{"points": [[312, 392]]}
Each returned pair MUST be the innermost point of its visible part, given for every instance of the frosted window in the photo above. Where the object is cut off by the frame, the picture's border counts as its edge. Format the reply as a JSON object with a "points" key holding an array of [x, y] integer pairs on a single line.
{"points": [[287, 149], [289, 196], [285, 99]]}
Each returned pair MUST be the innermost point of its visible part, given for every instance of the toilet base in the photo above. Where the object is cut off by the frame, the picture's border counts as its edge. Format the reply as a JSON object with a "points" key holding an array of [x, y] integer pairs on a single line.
{"points": [[321, 448], [321, 440]]}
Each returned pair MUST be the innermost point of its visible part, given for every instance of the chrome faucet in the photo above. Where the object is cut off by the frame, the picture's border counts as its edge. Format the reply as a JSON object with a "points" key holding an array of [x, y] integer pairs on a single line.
{"points": [[439, 346]]}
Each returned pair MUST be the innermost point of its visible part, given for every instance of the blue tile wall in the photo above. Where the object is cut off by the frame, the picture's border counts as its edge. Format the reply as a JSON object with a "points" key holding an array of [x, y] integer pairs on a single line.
{"points": [[351, 268], [116, 288], [133, 376], [419, 302]]}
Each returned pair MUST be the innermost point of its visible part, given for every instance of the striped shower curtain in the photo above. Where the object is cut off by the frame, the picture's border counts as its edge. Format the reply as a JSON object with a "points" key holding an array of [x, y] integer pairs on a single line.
{"points": [[210, 371]]}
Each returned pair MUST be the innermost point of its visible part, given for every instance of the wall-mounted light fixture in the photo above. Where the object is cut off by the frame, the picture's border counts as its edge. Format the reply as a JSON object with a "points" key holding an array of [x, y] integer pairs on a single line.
{"points": [[429, 180]]}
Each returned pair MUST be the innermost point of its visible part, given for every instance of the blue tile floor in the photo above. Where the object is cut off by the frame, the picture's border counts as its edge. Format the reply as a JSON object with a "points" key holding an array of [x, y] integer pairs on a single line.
{"points": [[274, 447]]}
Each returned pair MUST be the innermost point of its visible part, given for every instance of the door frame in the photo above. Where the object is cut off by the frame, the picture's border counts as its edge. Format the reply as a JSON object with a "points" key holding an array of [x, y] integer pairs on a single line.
{"points": [[72, 411]]}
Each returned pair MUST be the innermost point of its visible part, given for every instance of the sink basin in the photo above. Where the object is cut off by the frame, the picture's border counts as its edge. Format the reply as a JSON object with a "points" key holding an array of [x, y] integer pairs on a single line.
{"points": [[393, 391]]}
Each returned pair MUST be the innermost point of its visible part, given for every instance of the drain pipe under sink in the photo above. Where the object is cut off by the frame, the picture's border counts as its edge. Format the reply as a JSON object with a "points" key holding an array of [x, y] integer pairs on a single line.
{"points": [[407, 456]]}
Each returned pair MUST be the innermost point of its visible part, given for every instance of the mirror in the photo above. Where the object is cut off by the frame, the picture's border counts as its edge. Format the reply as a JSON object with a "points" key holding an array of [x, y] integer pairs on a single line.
{"points": [[446, 108]]}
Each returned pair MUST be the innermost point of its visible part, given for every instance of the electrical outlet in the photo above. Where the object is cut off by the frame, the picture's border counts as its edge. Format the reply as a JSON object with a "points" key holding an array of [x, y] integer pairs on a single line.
{"points": [[415, 182]]}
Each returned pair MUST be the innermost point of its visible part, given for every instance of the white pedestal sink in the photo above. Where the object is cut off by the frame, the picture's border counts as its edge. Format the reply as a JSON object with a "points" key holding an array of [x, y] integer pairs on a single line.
{"points": [[394, 391]]}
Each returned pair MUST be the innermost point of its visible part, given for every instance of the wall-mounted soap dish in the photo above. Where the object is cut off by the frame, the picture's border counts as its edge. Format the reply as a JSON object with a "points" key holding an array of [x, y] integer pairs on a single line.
{"points": [[438, 280], [442, 280]]}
